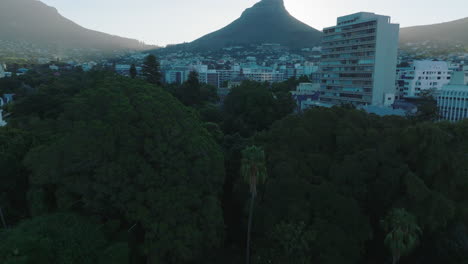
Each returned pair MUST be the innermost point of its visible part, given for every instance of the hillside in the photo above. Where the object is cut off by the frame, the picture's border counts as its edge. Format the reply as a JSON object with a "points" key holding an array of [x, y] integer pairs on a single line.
{"points": [[31, 22], [266, 22], [447, 34]]}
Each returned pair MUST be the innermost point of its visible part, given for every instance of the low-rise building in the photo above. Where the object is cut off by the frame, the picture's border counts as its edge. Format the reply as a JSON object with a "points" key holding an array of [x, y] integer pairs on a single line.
{"points": [[306, 95]]}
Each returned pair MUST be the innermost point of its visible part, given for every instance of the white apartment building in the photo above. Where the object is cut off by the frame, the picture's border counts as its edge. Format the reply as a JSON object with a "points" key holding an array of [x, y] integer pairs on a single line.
{"points": [[263, 75], [359, 58], [452, 99], [422, 76]]}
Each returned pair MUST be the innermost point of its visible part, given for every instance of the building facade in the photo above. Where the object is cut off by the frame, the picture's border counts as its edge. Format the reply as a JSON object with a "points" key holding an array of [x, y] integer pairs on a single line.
{"points": [[452, 99], [2, 71], [359, 58], [422, 76]]}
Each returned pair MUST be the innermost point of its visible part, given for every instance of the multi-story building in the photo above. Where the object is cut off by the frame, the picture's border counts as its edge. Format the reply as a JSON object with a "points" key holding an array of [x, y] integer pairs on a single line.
{"points": [[212, 78], [452, 100], [263, 75], [422, 76], [305, 95], [227, 75], [359, 58]]}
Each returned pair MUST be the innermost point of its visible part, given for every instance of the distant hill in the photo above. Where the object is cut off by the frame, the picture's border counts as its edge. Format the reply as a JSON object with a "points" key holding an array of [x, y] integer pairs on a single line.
{"points": [[33, 22], [449, 33], [266, 22]]}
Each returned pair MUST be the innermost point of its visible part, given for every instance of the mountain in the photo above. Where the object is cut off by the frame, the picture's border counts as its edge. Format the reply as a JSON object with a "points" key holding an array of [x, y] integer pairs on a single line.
{"points": [[268, 21], [449, 33], [33, 22]]}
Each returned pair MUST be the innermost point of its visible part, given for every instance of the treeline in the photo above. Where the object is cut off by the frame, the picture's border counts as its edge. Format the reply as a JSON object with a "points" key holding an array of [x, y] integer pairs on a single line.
{"points": [[97, 168]]}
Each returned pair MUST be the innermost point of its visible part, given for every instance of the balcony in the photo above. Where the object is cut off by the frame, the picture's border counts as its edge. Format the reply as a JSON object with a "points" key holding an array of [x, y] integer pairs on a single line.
{"points": [[351, 30], [351, 44], [350, 37]]}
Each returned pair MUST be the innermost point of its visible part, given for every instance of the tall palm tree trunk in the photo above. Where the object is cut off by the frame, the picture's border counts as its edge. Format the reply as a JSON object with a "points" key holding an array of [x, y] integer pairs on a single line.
{"points": [[249, 228], [3, 219]]}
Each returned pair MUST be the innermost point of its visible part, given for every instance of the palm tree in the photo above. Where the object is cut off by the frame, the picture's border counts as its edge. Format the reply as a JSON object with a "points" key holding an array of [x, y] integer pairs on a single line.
{"points": [[402, 233], [253, 169], [2, 218]]}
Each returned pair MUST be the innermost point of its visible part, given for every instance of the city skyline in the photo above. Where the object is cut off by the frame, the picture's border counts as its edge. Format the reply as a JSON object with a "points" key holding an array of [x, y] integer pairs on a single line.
{"points": [[154, 22]]}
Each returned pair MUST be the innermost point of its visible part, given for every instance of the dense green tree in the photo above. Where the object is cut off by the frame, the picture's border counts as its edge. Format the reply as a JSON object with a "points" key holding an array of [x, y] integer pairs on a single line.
{"points": [[14, 145], [253, 170], [253, 107], [155, 167], [57, 238], [194, 93], [402, 233], [151, 70], [151, 172], [133, 71]]}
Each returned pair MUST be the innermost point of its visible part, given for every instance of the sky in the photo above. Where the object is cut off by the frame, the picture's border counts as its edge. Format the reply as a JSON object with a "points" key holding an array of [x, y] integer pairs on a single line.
{"points": [[162, 22]]}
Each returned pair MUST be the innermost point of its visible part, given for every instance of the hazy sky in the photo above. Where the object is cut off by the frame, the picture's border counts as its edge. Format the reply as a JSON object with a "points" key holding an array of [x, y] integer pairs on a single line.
{"points": [[164, 22]]}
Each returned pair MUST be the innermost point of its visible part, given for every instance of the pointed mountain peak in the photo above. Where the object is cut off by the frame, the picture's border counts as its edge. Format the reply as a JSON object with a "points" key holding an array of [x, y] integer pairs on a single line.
{"points": [[267, 21], [267, 6]]}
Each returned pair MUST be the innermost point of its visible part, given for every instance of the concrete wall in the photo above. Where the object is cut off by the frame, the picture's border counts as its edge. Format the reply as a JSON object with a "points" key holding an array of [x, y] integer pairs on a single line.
{"points": [[385, 60]]}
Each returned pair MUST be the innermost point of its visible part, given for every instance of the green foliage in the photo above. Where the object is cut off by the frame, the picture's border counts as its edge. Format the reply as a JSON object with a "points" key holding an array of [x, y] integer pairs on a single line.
{"points": [[290, 243], [151, 70], [56, 238], [372, 163], [253, 167], [163, 190], [194, 93], [252, 107], [402, 233], [133, 71], [14, 144], [155, 166]]}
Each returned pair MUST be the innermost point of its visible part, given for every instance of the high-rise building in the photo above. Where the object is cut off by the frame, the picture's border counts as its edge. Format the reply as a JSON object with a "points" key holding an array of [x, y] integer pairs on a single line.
{"points": [[359, 58]]}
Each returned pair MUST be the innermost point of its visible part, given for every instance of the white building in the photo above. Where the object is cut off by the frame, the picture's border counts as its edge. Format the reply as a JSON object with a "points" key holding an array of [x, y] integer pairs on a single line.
{"points": [[263, 75], [2, 71], [2, 122], [176, 76], [54, 67], [452, 99], [422, 76], [359, 58]]}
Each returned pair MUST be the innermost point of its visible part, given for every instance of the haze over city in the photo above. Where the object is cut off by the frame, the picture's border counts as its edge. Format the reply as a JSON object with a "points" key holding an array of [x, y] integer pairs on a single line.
{"points": [[169, 22]]}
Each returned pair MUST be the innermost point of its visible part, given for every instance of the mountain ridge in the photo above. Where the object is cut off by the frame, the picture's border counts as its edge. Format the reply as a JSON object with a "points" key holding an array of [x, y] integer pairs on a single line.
{"points": [[453, 33], [34, 22]]}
